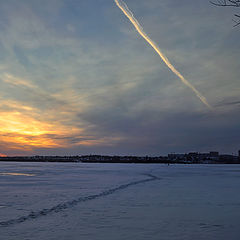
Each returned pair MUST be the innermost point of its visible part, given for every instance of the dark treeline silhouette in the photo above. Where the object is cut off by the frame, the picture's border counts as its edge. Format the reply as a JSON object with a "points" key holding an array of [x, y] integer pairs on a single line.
{"points": [[190, 158]]}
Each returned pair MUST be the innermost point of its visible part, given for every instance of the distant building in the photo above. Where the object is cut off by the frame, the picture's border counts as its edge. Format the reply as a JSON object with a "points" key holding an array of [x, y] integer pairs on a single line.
{"points": [[203, 156], [226, 158]]}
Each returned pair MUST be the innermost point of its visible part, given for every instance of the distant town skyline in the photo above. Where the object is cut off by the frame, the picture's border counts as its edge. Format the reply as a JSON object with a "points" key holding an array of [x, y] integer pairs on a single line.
{"points": [[76, 78], [172, 158]]}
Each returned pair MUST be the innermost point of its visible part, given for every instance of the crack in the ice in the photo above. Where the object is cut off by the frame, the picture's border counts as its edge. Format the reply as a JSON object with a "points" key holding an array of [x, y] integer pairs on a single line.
{"points": [[69, 204]]}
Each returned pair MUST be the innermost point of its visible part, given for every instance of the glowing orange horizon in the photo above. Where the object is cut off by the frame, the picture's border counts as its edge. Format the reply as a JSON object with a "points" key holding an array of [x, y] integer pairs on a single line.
{"points": [[23, 131], [27, 133], [25, 128]]}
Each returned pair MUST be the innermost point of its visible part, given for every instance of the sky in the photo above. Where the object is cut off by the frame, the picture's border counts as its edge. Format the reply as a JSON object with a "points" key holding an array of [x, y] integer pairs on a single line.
{"points": [[77, 78]]}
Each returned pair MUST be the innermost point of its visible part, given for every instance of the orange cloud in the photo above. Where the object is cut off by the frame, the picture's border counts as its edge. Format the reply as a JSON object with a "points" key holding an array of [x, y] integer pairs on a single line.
{"points": [[8, 78], [104, 141], [17, 174], [15, 105], [26, 127], [23, 128], [3, 155], [25, 132]]}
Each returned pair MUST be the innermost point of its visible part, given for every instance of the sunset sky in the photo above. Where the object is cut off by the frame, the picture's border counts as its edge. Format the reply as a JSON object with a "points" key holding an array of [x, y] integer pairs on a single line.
{"points": [[77, 78]]}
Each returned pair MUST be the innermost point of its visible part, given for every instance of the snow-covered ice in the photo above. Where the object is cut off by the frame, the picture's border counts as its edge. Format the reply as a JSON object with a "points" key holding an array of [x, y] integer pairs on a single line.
{"points": [[119, 201]]}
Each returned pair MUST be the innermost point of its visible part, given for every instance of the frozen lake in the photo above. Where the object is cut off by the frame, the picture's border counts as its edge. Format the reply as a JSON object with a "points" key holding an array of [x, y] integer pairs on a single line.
{"points": [[72, 201]]}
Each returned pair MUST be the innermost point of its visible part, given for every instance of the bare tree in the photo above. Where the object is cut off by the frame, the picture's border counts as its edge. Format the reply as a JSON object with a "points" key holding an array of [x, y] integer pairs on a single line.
{"points": [[229, 3]]}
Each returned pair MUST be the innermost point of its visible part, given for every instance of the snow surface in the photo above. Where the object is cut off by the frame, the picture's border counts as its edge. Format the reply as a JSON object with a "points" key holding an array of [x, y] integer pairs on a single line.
{"points": [[119, 201]]}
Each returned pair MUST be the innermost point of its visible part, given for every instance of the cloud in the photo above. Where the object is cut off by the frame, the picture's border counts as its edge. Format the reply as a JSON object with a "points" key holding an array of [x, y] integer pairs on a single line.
{"points": [[76, 78], [8, 78], [229, 103]]}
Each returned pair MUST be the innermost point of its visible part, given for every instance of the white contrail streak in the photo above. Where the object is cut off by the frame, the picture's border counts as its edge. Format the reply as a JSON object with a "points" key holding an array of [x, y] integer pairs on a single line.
{"points": [[123, 6]]}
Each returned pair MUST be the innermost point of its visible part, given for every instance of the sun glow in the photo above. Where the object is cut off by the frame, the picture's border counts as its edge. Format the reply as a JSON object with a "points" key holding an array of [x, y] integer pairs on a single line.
{"points": [[26, 127], [16, 122], [25, 132]]}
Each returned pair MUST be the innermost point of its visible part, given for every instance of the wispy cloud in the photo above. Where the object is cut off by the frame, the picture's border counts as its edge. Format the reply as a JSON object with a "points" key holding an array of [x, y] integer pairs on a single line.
{"points": [[228, 103], [75, 80], [8, 78]]}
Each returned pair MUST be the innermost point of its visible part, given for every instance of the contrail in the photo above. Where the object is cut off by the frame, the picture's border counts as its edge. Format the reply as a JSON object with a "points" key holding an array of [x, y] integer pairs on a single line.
{"points": [[123, 6]]}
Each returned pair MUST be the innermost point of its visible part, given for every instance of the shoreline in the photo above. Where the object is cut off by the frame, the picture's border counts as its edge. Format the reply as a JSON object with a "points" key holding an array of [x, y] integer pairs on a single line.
{"points": [[118, 159]]}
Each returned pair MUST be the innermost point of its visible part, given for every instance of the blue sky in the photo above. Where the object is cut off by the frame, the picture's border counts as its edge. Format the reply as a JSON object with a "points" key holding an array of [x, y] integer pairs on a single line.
{"points": [[76, 78]]}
